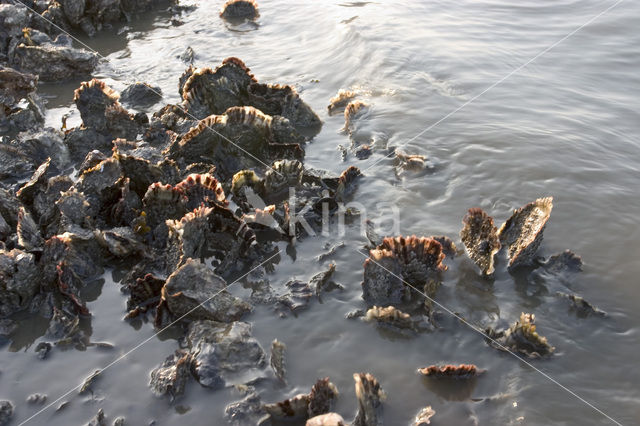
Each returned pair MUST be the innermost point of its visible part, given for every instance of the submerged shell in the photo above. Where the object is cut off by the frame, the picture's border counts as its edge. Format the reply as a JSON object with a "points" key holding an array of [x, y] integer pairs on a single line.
{"points": [[370, 398], [277, 359], [238, 9], [480, 238], [423, 418], [521, 337], [340, 101], [522, 232], [329, 419], [390, 316], [353, 112], [321, 398], [462, 371]]}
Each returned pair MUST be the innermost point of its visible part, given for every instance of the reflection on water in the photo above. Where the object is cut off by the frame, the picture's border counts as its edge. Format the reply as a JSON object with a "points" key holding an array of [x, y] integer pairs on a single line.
{"points": [[567, 125]]}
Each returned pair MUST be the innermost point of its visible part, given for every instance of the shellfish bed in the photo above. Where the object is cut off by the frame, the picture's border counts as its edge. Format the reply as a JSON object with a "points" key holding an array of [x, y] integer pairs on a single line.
{"points": [[227, 212]]}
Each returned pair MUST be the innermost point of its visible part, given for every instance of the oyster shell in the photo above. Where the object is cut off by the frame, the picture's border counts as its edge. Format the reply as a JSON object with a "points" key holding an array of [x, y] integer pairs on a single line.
{"points": [[171, 377], [338, 103], [462, 371], [277, 359], [19, 280], [424, 416], [195, 292], [370, 398], [414, 260], [240, 9], [390, 316], [354, 111], [521, 337], [256, 137], [480, 238], [329, 419], [305, 406], [522, 232]]}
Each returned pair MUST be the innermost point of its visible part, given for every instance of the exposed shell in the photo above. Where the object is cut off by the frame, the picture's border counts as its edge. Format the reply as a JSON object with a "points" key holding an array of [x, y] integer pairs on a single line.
{"points": [[245, 178], [277, 361], [92, 99], [202, 189], [256, 138], [521, 337], [145, 292], [480, 238], [462, 371], [321, 398], [346, 182], [283, 100], [292, 408], [522, 232], [19, 280], [29, 236], [195, 292], [282, 175], [424, 416], [370, 398], [391, 316], [172, 376], [329, 419], [353, 112], [340, 101], [238, 9]]}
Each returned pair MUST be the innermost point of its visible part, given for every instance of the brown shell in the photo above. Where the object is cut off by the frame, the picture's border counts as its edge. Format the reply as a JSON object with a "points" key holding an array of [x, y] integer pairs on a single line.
{"points": [[462, 371], [522, 232], [95, 84], [370, 397], [340, 101], [201, 189], [352, 112], [235, 9], [409, 249], [321, 398], [480, 238]]}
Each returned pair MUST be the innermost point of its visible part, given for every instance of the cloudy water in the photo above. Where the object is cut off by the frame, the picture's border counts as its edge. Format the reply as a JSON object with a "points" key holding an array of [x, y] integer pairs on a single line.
{"points": [[567, 125]]}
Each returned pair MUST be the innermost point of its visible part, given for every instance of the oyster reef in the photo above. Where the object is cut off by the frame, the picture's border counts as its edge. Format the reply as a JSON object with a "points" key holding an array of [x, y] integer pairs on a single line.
{"points": [[296, 235]]}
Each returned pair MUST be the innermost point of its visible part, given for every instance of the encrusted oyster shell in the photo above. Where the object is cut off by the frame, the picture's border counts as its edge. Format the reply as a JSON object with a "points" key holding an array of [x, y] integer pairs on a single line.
{"points": [[521, 337], [370, 398], [480, 238], [522, 232]]}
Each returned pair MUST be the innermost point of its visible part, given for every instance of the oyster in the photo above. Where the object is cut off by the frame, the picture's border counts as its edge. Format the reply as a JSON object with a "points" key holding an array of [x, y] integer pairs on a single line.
{"points": [[256, 139], [398, 263], [581, 307], [195, 292], [370, 398], [283, 100], [521, 337], [145, 292], [141, 95], [277, 359], [240, 9], [329, 419], [424, 416], [462, 371], [19, 280], [29, 237], [244, 412], [6, 412], [391, 317], [222, 351], [522, 232], [354, 111], [52, 61], [172, 376], [338, 103], [305, 406], [480, 238], [282, 175], [201, 189]]}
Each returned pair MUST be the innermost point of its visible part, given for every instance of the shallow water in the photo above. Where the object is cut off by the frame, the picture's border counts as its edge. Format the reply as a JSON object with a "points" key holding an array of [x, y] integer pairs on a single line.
{"points": [[566, 125]]}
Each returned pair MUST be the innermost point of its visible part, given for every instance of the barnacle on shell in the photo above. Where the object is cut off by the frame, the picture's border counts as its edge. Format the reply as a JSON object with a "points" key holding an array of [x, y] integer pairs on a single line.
{"points": [[522, 232], [238, 9], [462, 371], [480, 238]]}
